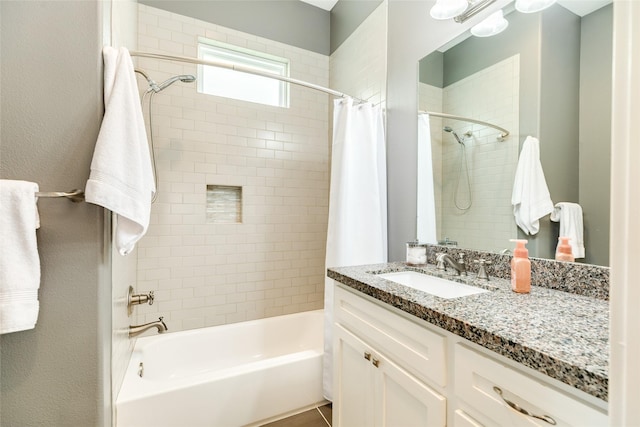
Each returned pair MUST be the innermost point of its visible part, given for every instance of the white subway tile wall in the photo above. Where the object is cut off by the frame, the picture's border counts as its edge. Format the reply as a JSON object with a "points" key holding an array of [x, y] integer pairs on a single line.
{"points": [[359, 65], [272, 263], [491, 95]]}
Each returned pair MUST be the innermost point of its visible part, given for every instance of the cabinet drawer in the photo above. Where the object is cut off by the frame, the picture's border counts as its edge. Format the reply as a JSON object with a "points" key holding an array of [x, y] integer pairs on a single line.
{"points": [[462, 419], [485, 384], [410, 345]]}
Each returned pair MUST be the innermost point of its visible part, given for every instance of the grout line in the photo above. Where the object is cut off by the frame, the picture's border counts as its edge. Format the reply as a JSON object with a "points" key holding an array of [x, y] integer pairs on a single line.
{"points": [[322, 415]]}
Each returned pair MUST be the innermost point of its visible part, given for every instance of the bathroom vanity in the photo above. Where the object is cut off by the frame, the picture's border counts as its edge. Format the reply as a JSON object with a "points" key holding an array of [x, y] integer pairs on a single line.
{"points": [[404, 357]]}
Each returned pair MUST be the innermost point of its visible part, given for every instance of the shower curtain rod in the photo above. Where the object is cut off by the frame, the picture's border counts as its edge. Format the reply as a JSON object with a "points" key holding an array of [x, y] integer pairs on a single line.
{"points": [[503, 135], [243, 70]]}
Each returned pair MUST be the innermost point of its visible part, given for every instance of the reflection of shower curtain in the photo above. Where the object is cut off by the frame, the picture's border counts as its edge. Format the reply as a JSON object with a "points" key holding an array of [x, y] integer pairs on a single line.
{"points": [[426, 195], [357, 229]]}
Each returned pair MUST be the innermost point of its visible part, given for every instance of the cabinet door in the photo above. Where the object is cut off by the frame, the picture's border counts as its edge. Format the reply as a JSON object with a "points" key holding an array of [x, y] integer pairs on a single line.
{"points": [[404, 401], [353, 381]]}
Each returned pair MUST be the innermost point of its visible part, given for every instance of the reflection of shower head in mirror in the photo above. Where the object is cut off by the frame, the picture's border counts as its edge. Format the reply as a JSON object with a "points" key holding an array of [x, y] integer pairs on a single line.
{"points": [[450, 130]]}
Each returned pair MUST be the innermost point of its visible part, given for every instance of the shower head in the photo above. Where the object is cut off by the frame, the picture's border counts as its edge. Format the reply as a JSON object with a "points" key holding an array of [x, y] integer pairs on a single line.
{"points": [[185, 78], [450, 130]]}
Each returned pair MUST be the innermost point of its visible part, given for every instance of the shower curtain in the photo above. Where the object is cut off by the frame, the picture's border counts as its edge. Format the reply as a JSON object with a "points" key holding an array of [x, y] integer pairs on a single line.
{"points": [[357, 228], [426, 226]]}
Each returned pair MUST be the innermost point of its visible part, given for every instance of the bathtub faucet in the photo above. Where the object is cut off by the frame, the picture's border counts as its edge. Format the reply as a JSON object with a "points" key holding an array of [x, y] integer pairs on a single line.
{"points": [[136, 330]]}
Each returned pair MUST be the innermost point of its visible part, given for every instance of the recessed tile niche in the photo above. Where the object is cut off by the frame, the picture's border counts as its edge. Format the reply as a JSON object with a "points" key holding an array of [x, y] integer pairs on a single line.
{"points": [[224, 204]]}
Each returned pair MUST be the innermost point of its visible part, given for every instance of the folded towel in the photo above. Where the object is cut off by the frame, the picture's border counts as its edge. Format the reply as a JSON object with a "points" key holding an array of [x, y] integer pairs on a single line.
{"points": [[19, 261], [530, 198], [571, 225], [121, 176]]}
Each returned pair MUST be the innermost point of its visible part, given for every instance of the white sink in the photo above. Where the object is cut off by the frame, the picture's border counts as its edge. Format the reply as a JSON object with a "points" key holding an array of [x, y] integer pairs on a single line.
{"points": [[442, 288]]}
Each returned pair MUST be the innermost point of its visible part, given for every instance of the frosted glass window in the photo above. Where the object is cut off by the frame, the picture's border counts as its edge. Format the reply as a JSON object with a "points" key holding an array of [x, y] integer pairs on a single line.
{"points": [[238, 85], [224, 204]]}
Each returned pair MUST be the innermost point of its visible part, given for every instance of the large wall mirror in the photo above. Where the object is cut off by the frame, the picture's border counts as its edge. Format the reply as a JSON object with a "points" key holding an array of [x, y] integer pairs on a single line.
{"points": [[548, 75]]}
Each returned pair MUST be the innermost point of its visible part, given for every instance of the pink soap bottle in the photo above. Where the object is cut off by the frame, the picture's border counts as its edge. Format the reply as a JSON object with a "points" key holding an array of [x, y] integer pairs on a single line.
{"points": [[564, 251], [520, 268]]}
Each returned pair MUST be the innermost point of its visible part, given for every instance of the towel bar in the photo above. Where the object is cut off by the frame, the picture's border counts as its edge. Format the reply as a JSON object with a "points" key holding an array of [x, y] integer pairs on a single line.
{"points": [[76, 196]]}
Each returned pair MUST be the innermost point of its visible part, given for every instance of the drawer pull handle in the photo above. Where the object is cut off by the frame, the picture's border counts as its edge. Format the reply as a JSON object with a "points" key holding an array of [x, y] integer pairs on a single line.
{"points": [[367, 355], [516, 407], [375, 362]]}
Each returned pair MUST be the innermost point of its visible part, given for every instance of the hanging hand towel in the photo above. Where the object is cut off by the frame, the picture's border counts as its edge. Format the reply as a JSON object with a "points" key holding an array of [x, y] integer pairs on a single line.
{"points": [[121, 178], [19, 261], [530, 198], [571, 225]]}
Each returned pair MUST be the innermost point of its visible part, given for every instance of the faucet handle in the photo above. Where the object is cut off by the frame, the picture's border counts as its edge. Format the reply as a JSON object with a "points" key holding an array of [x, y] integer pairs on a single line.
{"points": [[440, 262], [138, 299], [482, 272]]}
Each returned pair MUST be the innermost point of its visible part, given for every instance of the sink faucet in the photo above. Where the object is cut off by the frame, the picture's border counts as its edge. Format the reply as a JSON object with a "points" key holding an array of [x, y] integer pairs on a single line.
{"points": [[442, 260], [136, 330]]}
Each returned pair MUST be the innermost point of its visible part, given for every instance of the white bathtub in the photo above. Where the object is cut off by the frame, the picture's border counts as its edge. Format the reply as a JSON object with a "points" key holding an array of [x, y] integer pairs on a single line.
{"points": [[224, 376]]}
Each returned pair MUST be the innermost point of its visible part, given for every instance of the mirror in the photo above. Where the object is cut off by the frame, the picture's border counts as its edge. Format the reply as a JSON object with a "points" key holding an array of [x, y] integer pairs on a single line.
{"points": [[548, 75]]}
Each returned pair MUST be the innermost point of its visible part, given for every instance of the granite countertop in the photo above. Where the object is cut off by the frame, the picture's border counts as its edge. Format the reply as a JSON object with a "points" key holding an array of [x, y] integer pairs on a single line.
{"points": [[560, 334]]}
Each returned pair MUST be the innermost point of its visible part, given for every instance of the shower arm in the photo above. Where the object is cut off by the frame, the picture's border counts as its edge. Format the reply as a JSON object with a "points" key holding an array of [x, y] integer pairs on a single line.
{"points": [[504, 133]]}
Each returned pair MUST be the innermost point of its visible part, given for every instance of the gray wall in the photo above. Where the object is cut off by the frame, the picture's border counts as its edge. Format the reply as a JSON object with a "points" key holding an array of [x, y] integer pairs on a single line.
{"points": [[346, 16], [595, 131], [559, 104], [291, 22], [51, 105]]}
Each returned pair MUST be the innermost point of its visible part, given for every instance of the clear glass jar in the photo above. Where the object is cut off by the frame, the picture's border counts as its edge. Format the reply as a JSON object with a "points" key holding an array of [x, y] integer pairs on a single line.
{"points": [[416, 253]]}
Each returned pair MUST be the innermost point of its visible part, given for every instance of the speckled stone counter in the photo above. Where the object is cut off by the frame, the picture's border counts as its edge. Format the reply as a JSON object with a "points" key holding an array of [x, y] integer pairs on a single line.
{"points": [[560, 334]]}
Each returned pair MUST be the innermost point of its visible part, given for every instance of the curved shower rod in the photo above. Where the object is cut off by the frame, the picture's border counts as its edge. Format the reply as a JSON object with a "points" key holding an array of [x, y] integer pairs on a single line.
{"points": [[248, 70], [503, 135]]}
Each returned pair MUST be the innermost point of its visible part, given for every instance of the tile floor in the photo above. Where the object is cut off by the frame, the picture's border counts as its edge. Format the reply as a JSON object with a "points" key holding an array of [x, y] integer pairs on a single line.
{"points": [[317, 417]]}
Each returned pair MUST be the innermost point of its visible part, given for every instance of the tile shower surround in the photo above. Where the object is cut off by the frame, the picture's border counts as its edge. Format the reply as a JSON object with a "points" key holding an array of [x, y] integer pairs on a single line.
{"points": [[560, 329], [270, 263]]}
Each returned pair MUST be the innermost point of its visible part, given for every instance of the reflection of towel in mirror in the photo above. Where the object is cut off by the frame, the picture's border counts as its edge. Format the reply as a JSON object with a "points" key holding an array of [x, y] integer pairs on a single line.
{"points": [[530, 198], [570, 217]]}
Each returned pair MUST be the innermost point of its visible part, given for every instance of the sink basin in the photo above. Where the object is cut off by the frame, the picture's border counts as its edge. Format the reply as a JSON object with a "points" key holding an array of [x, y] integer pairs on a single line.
{"points": [[442, 288]]}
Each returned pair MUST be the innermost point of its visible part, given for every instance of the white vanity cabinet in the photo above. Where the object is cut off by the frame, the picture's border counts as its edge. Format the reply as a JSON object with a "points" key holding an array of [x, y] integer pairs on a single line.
{"points": [[375, 382], [395, 372]]}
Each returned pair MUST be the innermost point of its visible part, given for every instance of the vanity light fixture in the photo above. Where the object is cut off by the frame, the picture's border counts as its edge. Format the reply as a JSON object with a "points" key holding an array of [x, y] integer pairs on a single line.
{"points": [[492, 25], [475, 7], [447, 9], [532, 6]]}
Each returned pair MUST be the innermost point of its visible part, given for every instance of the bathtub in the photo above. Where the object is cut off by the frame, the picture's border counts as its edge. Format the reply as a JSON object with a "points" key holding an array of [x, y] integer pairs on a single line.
{"points": [[224, 376]]}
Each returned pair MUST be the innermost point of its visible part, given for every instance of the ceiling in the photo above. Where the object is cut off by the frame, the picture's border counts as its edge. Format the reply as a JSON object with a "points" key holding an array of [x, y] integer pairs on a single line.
{"points": [[579, 7], [583, 7], [322, 4]]}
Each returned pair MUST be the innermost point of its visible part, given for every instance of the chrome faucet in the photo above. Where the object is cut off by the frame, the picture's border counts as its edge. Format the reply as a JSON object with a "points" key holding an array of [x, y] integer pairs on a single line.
{"points": [[136, 330], [442, 260]]}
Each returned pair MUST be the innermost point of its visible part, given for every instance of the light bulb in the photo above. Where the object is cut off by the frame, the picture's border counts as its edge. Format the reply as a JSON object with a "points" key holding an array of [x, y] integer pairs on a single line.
{"points": [[492, 25], [447, 9], [532, 6]]}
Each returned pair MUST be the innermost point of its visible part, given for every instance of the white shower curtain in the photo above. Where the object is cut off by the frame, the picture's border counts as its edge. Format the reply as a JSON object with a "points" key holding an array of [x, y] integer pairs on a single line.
{"points": [[357, 228], [426, 227]]}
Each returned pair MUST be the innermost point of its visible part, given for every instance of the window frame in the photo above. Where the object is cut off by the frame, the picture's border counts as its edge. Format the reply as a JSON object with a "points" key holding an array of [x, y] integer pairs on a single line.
{"points": [[216, 51]]}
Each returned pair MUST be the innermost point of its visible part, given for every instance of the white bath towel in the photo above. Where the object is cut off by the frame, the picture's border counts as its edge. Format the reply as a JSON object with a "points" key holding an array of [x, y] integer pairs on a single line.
{"points": [[121, 176], [19, 261], [530, 198], [571, 225]]}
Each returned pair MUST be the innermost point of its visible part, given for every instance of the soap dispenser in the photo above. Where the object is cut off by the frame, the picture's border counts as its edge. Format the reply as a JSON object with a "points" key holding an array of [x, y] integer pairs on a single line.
{"points": [[520, 268], [564, 251]]}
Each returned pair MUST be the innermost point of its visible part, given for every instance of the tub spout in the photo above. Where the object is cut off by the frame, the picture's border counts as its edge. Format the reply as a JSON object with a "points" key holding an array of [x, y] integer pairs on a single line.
{"points": [[136, 330]]}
